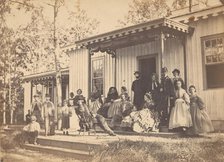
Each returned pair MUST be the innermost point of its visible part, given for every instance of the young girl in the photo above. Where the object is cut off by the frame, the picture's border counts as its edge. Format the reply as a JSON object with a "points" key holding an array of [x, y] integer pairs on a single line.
{"points": [[180, 116], [200, 118], [65, 117]]}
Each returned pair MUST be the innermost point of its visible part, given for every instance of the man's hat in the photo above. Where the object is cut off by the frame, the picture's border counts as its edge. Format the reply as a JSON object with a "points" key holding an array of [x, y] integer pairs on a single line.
{"points": [[47, 95], [137, 72], [176, 70], [36, 95], [164, 69]]}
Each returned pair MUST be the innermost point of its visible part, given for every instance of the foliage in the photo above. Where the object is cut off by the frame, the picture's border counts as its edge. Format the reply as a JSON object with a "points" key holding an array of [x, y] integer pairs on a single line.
{"points": [[11, 141], [179, 4], [164, 149], [145, 10], [31, 47]]}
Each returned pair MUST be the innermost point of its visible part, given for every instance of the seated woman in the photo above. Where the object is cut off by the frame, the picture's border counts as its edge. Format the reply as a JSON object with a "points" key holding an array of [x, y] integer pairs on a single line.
{"points": [[112, 95], [144, 120], [95, 100], [126, 107], [180, 116], [114, 108]]}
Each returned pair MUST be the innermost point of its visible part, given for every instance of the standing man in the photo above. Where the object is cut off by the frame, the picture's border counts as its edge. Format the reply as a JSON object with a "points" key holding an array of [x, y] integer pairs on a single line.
{"points": [[49, 114], [137, 88], [36, 108], [167, 96]]}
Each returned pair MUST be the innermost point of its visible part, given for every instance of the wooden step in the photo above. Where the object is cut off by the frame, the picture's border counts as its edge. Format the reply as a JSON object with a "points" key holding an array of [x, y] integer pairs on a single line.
{"points": [[74, 145], [77, 154]]}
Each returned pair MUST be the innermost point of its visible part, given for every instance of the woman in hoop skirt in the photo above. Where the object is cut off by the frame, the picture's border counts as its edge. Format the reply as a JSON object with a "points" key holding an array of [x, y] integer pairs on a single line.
{"points": [[200, 118], [180, 116]]}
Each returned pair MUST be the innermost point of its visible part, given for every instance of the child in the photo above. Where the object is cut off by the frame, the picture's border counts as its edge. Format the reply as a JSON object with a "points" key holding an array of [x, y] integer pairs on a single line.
{"points": [[180, 116], [66, 113], [31, 131], [200, 118]]}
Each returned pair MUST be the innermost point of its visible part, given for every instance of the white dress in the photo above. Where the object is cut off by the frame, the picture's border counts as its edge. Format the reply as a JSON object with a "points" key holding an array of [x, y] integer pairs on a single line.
{"points": [[74, 120], [180, 115]]}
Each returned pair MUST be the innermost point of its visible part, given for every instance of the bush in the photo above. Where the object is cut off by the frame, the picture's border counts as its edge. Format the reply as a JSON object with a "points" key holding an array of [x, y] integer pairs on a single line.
{"points": [[11, 141]]}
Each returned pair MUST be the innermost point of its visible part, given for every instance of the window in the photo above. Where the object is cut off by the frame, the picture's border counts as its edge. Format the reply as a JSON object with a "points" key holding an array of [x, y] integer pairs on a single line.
{"points": [[213, 50], [98, 74]]}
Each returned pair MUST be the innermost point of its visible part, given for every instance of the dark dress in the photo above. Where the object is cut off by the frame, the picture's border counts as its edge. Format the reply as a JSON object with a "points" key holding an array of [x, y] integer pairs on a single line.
{"points": [[154, 88], [65, 118], [137, 88], [200, 118], [166, 103], [109, 100]]}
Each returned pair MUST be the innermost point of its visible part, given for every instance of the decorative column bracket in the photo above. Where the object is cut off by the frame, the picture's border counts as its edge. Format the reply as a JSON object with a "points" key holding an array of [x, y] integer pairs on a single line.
{"points": [[109, 51]]}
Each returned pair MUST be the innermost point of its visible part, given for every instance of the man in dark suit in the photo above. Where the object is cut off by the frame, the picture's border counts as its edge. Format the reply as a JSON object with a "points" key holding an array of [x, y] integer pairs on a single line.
{"points": [[167, 95], [138, 89]]}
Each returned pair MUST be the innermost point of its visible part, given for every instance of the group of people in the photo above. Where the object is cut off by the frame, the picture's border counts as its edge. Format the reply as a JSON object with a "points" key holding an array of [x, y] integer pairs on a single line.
{"points": [[171, 105], [163, 102], [40, 115]]}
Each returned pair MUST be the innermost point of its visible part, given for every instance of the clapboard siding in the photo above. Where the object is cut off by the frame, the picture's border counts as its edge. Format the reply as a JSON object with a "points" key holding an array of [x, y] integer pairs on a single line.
{"points": [[127, 59], [78, 72], [214, 98]]}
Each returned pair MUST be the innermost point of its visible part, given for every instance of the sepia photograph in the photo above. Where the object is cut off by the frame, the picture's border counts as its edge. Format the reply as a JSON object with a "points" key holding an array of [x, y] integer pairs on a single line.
{"points": [[112, 80]]}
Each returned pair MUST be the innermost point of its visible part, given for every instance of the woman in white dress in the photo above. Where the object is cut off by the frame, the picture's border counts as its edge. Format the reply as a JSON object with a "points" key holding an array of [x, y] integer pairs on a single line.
{"points": [[180, 116], [74, 120]]}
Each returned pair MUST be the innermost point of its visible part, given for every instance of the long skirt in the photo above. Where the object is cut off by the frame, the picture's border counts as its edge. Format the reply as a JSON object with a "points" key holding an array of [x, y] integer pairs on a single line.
{"points": [[114, 109], [201, 120], [74, 120], [95, 106], [139, 121], [65, 122], [180, 115]]}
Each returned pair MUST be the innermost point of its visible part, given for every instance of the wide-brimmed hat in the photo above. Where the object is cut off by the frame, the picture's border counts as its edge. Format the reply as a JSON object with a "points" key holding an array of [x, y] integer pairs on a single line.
{"points": [[164, 69], [176, 71]]}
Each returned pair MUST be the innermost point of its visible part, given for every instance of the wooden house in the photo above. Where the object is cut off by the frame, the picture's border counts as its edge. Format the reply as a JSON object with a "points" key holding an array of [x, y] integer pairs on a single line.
{"points": [[192, 42]]}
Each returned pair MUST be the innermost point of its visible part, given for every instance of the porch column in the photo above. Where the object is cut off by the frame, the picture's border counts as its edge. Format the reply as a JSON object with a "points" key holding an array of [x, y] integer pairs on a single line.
{"points": [[185, 59], [90, 53], [162, 38]]}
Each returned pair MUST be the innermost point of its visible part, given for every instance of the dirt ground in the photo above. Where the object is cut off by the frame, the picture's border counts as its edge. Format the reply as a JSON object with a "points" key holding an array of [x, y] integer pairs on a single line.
{"points": [[21, 155]]}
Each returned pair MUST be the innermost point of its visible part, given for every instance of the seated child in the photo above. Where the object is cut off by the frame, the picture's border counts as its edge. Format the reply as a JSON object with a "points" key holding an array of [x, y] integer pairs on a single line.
{"points": [[31, 131]]}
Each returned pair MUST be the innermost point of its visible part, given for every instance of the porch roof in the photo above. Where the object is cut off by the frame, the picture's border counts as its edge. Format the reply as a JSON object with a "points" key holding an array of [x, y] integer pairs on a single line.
{"points": [[151, 27], [45, 75]]}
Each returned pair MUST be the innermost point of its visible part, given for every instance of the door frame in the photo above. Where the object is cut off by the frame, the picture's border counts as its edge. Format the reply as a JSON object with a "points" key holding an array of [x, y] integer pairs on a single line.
{"points": [[148, 56]]}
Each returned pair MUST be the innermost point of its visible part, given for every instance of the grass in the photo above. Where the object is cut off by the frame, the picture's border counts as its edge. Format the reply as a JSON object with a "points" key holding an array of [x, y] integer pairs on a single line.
{"points": [[156, 149]]}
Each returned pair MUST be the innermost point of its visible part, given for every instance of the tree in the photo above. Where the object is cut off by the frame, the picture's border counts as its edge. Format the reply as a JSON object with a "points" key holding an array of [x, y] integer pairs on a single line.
{"points": [[31, 46], [145, 10]]}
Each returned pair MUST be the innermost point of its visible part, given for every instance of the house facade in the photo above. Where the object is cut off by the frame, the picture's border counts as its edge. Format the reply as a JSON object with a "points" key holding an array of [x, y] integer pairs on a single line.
{"points": [[193, 43], [42, 84]]}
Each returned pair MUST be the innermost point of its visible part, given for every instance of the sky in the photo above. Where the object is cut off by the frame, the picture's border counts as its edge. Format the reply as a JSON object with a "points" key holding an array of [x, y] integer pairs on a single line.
{"points": [[107, 12]]}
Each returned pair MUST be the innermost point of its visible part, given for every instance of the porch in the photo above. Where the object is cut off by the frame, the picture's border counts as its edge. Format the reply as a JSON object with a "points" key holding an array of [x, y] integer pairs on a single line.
{"points": [[44, 83], [146, 47]]}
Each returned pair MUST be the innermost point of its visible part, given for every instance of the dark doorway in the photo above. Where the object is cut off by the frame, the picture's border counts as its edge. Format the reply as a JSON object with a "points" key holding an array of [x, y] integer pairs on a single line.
{"points": [[147, 66]]}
